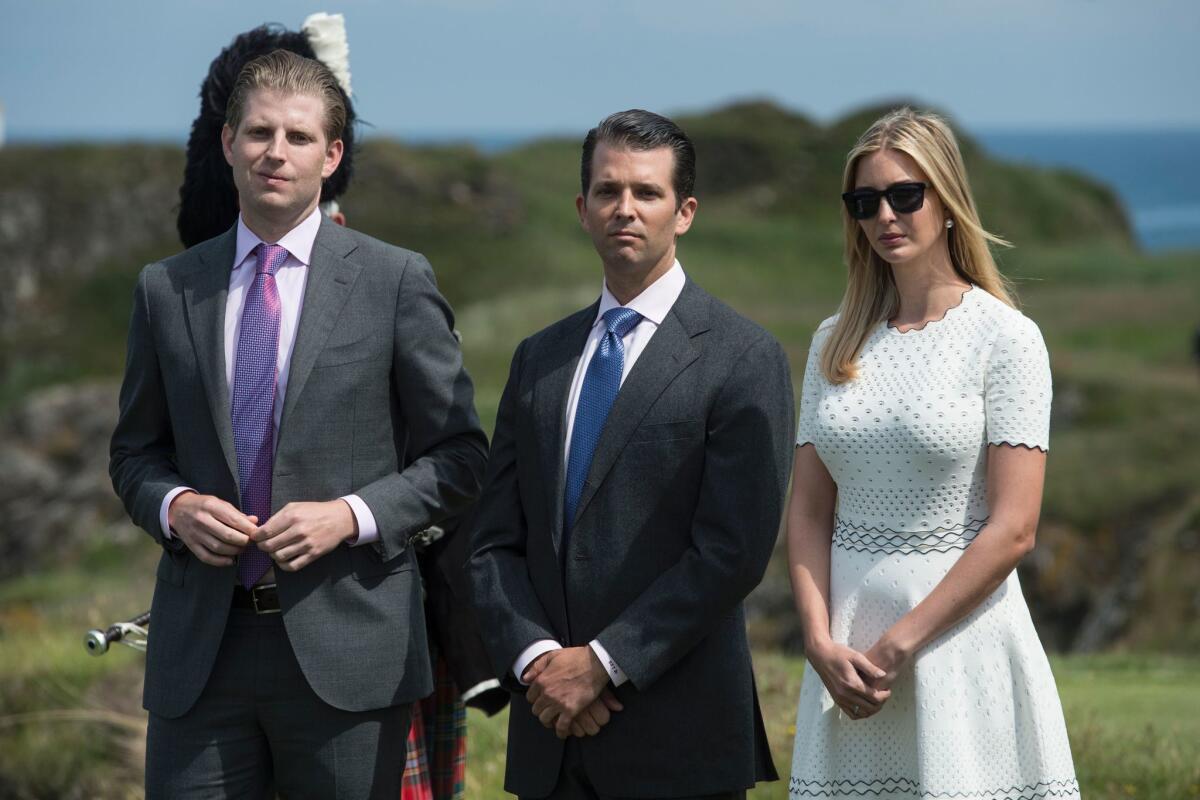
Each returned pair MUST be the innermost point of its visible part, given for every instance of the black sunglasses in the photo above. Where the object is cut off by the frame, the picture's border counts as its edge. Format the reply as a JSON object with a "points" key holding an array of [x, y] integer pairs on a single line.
{"points": [[904, 198]]}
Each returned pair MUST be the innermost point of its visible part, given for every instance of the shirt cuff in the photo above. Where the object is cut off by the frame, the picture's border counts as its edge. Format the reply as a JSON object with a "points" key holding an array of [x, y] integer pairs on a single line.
{"points": [[166, 505], [614, 671], [530, 653], [368, 531]]}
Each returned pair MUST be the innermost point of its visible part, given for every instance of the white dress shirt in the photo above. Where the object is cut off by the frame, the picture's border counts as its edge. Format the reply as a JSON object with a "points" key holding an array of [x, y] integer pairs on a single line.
{"points": [[290, 280], [654, 303]]}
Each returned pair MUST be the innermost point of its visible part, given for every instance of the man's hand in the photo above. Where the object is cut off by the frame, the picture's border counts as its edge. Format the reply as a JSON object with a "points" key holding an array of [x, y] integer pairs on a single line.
{"points": [[211, 528], [303, 532], [565, 683], [596, 716], [537, 665], [591, 719]]}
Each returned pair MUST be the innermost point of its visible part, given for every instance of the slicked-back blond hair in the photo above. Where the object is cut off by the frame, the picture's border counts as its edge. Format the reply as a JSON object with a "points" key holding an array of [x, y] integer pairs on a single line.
{"points": [[871, 296], [289, 73]]}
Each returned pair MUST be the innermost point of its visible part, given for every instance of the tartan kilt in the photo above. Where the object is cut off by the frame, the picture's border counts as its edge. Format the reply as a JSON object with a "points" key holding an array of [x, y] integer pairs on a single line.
{"points": [[436, 760]]}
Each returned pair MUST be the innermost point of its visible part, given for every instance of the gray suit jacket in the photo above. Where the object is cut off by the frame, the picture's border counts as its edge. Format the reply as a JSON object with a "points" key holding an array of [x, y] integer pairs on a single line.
{"points": [[675, 526], [377, 404]]}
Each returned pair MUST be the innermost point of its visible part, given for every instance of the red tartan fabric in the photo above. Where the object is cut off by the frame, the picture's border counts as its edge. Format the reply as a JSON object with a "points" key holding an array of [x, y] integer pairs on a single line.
{"points": [[436, 763], [415, 784], [446, 735]]}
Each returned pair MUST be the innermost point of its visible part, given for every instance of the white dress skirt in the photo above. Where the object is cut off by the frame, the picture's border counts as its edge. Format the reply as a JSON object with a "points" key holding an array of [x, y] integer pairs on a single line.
{"points": [[976, 716]]}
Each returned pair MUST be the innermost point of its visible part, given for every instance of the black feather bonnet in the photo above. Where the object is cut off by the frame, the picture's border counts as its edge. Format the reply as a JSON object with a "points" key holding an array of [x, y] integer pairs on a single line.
{"points": [[208, 204]]}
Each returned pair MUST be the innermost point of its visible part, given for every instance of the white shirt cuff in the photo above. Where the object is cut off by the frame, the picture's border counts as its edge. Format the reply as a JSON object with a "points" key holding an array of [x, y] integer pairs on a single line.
{"points": [[614, 671], [368, 531], [530, 653], [163, 516]]}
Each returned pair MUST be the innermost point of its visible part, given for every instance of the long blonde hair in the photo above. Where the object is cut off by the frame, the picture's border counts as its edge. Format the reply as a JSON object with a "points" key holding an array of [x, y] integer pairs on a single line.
{"points": [[871, 295]]}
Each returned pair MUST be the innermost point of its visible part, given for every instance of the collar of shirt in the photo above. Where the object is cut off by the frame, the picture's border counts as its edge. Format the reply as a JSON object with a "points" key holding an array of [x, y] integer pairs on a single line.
{"points": [[654, 302], [298, 241]]}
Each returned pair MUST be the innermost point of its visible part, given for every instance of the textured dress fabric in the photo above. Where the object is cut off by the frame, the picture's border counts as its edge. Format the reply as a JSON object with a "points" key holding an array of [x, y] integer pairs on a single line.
{"points": [[976, 716]]}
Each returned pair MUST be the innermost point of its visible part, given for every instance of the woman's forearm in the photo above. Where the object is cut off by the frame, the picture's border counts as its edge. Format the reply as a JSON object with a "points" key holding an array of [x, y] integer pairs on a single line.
{"points": [[983, 567], [808, 545], [809, 537]]}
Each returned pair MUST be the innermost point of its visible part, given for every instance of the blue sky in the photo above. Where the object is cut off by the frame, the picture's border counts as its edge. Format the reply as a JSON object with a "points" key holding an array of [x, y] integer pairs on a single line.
{"points": [[131, 68]]}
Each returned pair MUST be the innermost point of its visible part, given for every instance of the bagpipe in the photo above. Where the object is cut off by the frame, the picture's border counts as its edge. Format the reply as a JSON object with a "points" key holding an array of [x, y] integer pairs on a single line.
{"points": [[131, 633]]}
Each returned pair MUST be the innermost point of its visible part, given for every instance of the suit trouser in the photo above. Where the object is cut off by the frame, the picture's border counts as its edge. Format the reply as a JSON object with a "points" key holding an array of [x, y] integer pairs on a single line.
{"points": [[573, 783], [258, 728]]}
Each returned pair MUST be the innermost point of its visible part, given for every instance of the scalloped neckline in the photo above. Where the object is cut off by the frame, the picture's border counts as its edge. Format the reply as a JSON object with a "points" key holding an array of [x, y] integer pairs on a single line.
{"points": [[893, 330]]}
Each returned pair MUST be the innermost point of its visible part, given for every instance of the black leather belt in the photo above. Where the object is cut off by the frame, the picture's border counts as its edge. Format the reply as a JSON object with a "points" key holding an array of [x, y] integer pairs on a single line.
{"points": [[263, 599]]}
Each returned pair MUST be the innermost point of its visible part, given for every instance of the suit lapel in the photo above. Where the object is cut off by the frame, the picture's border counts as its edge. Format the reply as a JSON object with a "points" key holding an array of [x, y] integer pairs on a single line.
{"points": [[205, 293], [667, 354], [550, 410], [330, 279]]}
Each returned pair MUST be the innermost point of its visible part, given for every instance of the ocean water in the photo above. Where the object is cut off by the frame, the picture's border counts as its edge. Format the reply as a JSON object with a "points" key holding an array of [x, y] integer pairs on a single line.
{"points": [[1155, 173]]}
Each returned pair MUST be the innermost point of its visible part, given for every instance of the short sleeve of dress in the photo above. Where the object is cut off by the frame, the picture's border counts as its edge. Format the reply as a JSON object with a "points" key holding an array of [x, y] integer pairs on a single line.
{"points": [[810, 393], [1018, 387]]}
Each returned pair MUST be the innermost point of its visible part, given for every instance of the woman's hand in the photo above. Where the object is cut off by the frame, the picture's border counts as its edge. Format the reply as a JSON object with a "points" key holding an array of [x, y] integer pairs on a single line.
{"points": [[891, 658], [851, 679]]}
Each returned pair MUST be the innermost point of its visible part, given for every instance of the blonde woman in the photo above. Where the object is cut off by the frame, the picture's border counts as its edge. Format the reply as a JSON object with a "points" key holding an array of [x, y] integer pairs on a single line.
{"points": [[919, 463]]}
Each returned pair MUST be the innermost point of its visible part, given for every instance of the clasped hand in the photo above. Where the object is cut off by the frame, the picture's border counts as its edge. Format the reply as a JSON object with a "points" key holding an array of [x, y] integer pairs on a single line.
{"points": [[300, 533], [567, 692], [859, 683]]}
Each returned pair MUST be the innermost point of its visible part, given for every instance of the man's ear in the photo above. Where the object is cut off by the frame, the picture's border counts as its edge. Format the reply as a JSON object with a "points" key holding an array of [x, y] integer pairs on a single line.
{"points": [[333, 157], [684, 216], [227, 143], [581, 208]]}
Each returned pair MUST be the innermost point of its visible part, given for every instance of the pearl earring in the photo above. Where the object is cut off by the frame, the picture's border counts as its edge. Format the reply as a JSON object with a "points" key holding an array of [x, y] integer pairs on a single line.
{"points": [[949, 224]]}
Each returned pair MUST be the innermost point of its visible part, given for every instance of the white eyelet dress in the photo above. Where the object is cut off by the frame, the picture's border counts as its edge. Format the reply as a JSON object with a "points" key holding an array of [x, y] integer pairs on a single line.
{"points": [[976, 716]]}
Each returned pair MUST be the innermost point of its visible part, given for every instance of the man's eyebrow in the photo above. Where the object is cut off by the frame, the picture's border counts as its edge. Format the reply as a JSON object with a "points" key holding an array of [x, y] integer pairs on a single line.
{"points": [[606, 182]]}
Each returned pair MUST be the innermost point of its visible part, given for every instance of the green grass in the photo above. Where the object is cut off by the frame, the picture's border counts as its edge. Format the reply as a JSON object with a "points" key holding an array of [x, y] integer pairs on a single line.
{"points": [[71, 724], [1134, 724], [1133, 720]]}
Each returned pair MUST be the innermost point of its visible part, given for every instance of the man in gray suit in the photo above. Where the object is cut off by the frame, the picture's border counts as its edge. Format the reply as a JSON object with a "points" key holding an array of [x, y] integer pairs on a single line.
{"points": [[294, 409], [634, 492]]}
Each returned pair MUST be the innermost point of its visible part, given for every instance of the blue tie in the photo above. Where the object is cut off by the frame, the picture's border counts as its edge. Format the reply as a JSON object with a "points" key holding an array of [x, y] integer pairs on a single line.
{"points": [[600, 386]]}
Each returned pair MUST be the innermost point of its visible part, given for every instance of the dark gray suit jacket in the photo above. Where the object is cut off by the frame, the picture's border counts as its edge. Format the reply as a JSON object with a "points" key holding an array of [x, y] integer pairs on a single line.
{"points": [[675, 526], [377, 404]]}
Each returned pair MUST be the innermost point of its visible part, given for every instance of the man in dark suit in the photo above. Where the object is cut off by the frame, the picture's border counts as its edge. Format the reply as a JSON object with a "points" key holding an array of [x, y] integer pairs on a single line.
{"points": [[294, 410], [634, 491]]}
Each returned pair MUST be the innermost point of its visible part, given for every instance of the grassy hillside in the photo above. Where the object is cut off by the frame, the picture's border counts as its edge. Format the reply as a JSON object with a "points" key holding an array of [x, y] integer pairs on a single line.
{"points": [[503, 236], [1117, 565], [78, 222]]}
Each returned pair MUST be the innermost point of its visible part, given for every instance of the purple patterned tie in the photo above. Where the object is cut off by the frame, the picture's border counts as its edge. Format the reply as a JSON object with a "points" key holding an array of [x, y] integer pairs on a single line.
{"points": [[254, 378]]}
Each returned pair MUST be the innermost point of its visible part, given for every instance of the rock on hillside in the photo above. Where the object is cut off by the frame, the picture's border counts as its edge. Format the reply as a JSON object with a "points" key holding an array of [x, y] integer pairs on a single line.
{"points": [[56, 495], [67, 210]]}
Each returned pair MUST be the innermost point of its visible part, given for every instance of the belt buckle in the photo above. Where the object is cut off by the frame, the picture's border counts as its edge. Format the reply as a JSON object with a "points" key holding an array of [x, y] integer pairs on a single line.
{"points": [[254, 600]]}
